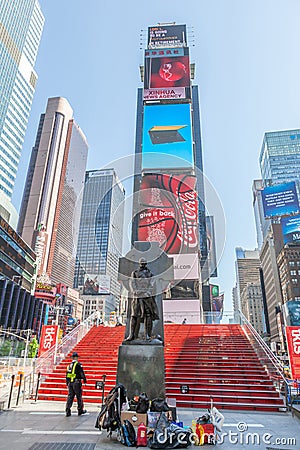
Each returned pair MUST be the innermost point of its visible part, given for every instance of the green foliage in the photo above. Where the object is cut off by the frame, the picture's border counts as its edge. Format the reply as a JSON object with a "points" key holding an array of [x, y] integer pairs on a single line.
{"points": [[18, 351], [33, 348], [5, 348]]}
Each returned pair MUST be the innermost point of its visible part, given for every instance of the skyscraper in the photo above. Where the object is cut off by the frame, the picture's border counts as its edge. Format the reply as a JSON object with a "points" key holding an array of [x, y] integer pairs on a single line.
{"points": [[169, 201], [280, 157], [53, 192], [21, 25], [100, 241]]}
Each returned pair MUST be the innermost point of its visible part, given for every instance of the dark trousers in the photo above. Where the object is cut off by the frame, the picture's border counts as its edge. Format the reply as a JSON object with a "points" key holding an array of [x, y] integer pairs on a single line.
{"points": [[75, 388]]}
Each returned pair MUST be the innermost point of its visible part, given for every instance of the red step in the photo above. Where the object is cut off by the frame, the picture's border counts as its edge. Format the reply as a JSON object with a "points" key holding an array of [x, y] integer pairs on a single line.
{"points": [[214, 360]]}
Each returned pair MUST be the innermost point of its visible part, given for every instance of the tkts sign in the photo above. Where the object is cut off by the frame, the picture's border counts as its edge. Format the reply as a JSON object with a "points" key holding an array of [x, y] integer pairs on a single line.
{"points": [[293, 341], [169, 213], [48, 338]]}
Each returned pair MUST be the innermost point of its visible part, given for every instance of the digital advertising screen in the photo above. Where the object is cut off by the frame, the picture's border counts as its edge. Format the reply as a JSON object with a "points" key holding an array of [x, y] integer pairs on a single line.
{"points": [[291, 229], [280, 200], [167, 71], [96, 284], [169, 212], [211, 246], [167, 137], [167, 36], [186, 266], [291, 311]]}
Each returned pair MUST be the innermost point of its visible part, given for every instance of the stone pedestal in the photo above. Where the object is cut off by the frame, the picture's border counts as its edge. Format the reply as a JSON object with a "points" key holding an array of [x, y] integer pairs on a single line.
{"points": [[141, 369]]}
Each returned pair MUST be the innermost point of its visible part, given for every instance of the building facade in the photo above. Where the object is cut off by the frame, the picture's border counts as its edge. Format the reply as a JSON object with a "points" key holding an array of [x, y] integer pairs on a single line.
{"points": [[100, 241], [252, 307], [248, 296], [270, 250], [17, 259], [19, 309], [53, 192], [280, 157], [21, 25]]}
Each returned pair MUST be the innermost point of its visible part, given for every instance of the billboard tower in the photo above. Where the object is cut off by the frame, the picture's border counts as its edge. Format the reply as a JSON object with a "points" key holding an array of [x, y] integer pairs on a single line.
{"points": [[169, 204]]}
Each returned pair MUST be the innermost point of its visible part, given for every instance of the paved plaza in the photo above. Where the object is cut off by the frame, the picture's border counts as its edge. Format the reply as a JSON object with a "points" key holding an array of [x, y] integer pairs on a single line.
{"points": [[42, 425]]}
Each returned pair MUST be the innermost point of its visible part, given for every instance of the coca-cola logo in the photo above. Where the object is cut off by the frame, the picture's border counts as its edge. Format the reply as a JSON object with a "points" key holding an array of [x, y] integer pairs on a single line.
{"points": [[170, 216], [189, 203]]}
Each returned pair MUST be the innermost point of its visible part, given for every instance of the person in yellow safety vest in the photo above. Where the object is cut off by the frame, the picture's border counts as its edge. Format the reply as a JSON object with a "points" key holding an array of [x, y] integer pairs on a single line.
{"points": [[74, 377]]}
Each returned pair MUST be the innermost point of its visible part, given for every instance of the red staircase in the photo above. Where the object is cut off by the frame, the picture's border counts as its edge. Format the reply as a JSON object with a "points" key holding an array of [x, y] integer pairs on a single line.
{"points": [[216, 361], [98, 353], [213, 360]]}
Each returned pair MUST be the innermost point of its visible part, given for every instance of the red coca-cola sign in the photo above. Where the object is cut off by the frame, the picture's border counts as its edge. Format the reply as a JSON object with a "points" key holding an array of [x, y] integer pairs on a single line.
{"points": [[169, 212]]}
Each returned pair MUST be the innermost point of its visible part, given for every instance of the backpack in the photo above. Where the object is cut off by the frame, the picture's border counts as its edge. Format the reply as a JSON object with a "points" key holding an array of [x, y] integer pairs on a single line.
{"points": [[109, 416], [128, 434], [143, 403]]}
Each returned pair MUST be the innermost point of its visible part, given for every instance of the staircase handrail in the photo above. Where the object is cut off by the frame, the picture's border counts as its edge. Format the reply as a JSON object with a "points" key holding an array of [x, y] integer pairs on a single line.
{"points": [[52, 357], [275, 362]]}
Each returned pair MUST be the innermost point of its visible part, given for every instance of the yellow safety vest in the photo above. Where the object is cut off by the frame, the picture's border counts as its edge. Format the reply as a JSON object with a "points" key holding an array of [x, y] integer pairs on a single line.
{"points": [[71, 373]]}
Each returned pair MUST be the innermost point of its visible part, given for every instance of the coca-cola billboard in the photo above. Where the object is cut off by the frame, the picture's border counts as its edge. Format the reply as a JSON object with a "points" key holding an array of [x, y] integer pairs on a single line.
{"points": [[168, 212]]}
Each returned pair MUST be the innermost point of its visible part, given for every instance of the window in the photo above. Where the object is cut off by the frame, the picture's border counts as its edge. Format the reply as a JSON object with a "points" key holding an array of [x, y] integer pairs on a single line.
{"points": [[294, 280], [291, 263], [293, 272]]}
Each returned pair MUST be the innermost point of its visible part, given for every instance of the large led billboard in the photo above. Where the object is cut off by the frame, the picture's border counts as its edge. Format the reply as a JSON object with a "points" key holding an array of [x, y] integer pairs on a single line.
{"points": [[291, 311], [167, 137], [96, 284], [211, 246], [169, 212], [167, 36], [280, 200], [291, 229], [167, 71]]}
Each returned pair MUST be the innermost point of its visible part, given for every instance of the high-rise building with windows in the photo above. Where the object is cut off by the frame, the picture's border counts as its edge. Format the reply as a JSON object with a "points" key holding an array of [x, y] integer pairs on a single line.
{"points": [[100, 241], [50, 210], [169, 200], [21, 25], [280, 157]]}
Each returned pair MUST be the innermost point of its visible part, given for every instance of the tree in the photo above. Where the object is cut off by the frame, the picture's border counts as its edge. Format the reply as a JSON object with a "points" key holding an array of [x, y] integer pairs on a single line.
{"points": [[5, 348], [33, 348]]}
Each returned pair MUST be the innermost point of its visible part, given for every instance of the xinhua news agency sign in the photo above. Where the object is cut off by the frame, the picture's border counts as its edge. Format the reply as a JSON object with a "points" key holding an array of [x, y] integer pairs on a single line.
{"points": [[48, 338], [293, 341]]}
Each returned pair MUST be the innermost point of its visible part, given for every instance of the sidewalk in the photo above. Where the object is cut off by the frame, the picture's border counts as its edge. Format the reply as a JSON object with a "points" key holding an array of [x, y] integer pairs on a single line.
{"points": [[31, 425]]}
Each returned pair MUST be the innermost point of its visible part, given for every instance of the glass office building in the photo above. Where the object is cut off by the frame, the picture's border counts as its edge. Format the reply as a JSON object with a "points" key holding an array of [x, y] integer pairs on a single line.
{"points": [[100, 239], [53, 192], [21, 25], [280, 157]]}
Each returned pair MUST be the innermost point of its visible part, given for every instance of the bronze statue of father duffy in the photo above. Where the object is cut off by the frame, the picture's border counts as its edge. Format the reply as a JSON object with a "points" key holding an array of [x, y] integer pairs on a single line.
{"points": [[143, 306]]}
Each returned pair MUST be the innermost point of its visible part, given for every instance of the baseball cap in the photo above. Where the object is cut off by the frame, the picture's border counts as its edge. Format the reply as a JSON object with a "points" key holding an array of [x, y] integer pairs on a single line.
{"points": [[75, 355]]}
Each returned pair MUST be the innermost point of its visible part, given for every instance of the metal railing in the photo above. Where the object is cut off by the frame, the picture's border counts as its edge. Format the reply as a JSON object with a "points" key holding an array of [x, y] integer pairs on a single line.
{"points": [[273, 366], [46, 363]]}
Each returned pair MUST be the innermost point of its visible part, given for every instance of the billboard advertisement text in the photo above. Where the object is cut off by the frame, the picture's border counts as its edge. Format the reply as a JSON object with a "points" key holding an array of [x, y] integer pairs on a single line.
{"points": [[167, 36], [48, 338], [167, 137], [169, 212], [280, 200], [167, 72], [291, 229], [186, 267]]}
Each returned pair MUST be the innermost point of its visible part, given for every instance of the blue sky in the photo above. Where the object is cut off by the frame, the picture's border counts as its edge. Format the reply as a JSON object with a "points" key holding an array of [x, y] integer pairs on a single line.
{"points": [[247, 68]]}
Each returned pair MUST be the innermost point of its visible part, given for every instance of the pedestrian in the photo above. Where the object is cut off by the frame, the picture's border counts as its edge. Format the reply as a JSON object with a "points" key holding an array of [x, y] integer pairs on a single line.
{"points": [[184, 321], [74, 377]]}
